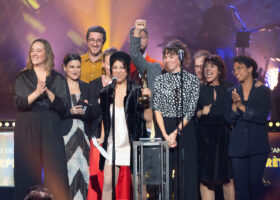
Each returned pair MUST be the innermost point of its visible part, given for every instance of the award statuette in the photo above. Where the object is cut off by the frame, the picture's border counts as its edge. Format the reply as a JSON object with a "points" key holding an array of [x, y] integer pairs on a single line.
{"points": [[144, 100]]}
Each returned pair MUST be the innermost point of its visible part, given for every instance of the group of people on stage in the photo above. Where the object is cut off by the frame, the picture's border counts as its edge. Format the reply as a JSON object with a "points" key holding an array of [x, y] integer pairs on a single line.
{"points": [[216, 132]]}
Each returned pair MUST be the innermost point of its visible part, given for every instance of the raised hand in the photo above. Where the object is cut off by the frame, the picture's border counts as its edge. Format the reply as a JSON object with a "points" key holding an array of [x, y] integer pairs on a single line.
{"points": [[140, 24]]}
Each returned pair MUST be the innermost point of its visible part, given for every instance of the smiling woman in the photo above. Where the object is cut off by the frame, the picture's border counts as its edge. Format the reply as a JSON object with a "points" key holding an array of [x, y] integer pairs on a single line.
{"points": [[40, 96], [247, 111], [174, 99], [75, 129], [212, 132]]}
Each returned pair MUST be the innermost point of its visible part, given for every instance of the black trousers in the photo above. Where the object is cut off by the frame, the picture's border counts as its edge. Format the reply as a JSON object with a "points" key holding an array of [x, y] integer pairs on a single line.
{"points": [[183, 182], [248, 173], [38, 145]]}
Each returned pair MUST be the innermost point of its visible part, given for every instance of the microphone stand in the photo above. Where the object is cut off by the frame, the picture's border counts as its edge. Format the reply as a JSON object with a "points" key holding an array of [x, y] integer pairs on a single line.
{"points": [[113, 149], [180, 142]]}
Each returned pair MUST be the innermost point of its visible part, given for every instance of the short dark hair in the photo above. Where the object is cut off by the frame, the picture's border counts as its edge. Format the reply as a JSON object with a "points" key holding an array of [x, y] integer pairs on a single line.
{"points": [[97, 29], [174, 46], [248, 62], [71, 56], [145, 31], [109, 52], [218, 61]]}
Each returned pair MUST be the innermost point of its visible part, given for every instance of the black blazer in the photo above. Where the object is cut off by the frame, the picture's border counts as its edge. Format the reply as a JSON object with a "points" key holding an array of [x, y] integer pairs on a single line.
{"points": [[133, 113], [92, 113], [26, 83], [249, 134]]}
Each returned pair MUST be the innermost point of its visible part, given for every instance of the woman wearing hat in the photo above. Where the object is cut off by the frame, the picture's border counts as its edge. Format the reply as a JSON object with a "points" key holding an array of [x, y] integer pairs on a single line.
{"points": [[130, 118], [247, 110]]}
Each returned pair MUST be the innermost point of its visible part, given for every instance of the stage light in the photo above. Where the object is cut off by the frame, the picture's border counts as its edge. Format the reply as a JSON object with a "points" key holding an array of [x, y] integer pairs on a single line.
{"points": [[270, 124], [34, 23], [110, 14], [7, 124], [271, 78], [76, 38], [34, 4], [277, 124]]}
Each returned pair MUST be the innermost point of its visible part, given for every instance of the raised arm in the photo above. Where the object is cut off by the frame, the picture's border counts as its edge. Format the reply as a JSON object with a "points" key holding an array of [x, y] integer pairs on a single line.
{"points": [[135, 53]]}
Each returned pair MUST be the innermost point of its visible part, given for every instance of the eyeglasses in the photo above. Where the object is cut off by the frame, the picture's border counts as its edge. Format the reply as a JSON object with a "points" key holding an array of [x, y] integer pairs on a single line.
{"points": [[98, 41]]}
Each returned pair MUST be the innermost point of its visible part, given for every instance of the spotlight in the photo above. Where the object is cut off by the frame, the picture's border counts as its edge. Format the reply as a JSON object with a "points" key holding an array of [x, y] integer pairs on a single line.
{"points": [[277, 124], [271, 78], [7, 124], [1, 124], [270, 124], [14, 124]]}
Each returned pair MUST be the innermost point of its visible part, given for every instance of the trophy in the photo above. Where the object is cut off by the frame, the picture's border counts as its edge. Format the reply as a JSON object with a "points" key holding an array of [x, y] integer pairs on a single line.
{"points": [[145, 99]]}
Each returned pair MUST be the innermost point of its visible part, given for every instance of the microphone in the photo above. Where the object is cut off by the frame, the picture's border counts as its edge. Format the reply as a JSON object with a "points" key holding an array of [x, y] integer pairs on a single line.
{"points": [[181, 55], [112, 86]]}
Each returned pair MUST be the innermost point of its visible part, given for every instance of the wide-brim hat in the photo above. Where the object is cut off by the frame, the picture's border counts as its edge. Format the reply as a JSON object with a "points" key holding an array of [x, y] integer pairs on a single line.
{"points": [[120, 55]]}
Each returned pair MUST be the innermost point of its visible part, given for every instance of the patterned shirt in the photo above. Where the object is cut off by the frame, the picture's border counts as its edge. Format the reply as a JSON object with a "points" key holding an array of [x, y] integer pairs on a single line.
{"points": [[167, 94], [90, 70]]}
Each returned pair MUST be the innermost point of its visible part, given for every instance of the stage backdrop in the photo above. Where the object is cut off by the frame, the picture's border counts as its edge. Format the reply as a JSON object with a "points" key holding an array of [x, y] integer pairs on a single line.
{"points": [[6, 158]]}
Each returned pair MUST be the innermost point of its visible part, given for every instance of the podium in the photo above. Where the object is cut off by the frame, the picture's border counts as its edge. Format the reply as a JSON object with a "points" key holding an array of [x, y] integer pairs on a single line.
{"points": [[150, 169]]}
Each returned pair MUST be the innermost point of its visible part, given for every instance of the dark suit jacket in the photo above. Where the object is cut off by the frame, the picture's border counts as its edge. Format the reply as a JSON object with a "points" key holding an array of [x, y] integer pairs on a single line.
{"points": [[153, 68], [92, 113], [250, 134]]}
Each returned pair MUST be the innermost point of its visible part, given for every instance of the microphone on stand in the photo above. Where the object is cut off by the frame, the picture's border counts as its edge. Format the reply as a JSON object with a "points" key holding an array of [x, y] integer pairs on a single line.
{"points": [[112, 85], [181, 55]]}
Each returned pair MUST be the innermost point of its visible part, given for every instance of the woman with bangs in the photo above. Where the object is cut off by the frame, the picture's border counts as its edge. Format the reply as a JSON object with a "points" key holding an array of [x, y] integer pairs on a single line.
{"points": [[130, 119], [168, 104], [212, 134], [41, 98]]}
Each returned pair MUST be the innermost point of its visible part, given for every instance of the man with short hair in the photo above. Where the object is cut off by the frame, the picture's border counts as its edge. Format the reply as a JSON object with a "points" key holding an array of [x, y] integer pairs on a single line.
{"points": [[91, 66], [139, 58], [198, 58]]}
